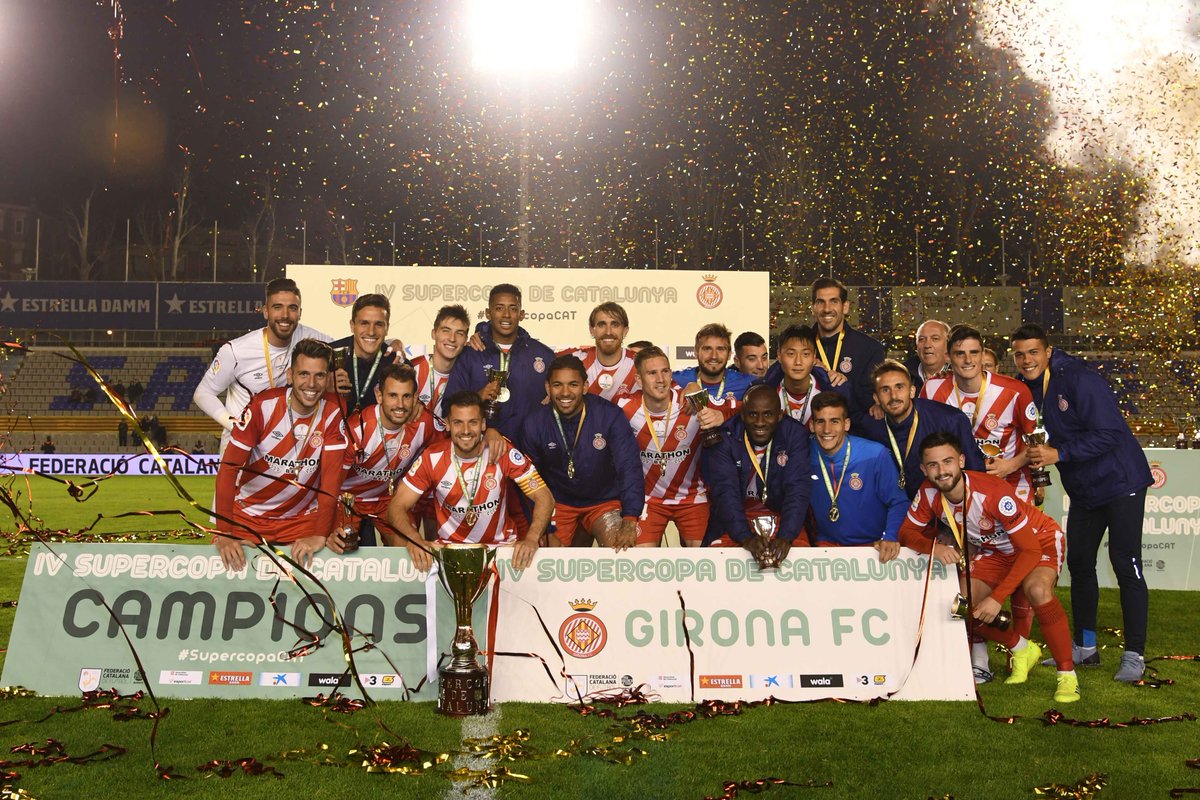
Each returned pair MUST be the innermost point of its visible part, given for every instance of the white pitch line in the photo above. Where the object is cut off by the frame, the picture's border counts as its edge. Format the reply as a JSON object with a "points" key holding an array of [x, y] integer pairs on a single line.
{"points": [[476, 727]]}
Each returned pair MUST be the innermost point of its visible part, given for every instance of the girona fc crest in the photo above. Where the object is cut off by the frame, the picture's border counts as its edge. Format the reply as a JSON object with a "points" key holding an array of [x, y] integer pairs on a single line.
{"points": [[680, 433], [709, 295], [344, 291], [855, 481], [1159, 474], [582, 634]]}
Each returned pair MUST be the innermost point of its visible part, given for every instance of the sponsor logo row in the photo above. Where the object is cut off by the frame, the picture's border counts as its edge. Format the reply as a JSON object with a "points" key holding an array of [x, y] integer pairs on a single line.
{"points": [[594, 682], [93, 678]]}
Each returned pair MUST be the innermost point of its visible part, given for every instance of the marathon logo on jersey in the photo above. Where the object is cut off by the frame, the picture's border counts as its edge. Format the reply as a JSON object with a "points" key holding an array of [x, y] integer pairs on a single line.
{"points": [[279, 679], [343, 291], [720, 681], [482, 508], [329, 679], [820, 681], [231, 678]]}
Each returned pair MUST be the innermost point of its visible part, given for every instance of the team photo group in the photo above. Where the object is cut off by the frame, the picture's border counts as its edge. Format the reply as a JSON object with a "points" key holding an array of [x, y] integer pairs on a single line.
{"points": [[494, 437]]}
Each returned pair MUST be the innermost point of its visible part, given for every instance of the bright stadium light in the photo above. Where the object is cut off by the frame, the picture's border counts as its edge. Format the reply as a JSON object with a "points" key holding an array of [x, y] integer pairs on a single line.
{"points": [[525, 37]]}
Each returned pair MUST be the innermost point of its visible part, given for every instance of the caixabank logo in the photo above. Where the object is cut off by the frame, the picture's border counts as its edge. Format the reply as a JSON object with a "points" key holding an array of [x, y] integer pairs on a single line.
{"points": [[583, 634]]}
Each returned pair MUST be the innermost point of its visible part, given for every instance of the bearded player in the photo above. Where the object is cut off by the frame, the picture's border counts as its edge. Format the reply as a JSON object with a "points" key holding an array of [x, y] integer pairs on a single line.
{"points": [[1010, 544], [669, 434], [609, 364]]}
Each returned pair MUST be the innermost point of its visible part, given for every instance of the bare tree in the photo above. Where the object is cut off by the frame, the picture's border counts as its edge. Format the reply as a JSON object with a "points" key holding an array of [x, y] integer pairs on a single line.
{"points": [[346, 237], [152, 232], [258, 227], [81, 230], [181, 224]]}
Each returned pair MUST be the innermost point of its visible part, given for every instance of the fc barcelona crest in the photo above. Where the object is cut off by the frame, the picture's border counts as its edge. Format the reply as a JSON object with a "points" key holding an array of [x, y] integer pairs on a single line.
{"points": [[344, 291]]}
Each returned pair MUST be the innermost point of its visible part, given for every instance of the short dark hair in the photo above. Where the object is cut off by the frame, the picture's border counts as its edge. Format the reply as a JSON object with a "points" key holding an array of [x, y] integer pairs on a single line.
{"points": [[567, 362], [504, 288], [452, 312], [939, 438], [647, 353], [889, 365], [313, 348], [281, 285], [804, 333], [829, 400], [829, 283], [748, 339], [713, 330], [464, 399], [372, 301], [404, 373], [613, 310], [1030, 330], [961, 333], [640, 344]]}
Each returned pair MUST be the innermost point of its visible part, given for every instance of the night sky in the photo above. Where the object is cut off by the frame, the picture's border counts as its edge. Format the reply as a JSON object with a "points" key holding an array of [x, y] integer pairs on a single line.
{"points": [[865, 130]]}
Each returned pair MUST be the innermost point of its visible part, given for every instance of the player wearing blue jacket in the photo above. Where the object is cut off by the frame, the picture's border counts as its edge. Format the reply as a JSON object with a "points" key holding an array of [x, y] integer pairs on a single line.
{"points": [[856, 499], [1105, 473], [506, 346], [760, 446], [712, 353], [842, 348], [585, 450], [908, 419]]}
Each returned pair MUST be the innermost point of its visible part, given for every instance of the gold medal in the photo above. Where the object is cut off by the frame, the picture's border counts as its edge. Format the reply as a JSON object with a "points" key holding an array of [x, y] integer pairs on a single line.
{"points": [[472, 516], [834, 514], [571, 469], [900, 482], [504, 395]]}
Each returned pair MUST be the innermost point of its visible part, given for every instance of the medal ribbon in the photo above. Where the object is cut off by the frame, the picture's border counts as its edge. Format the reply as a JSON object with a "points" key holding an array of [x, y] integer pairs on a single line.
{"points": [[978, 401], [787, 399], [267, 358], [435, 387], [959, 535], [371, 374], [470, 495], [570, 448], [758, 467], [837, 353], [834, 491], [912, 434], [666, 420], [1045, 388], [298, 450]]}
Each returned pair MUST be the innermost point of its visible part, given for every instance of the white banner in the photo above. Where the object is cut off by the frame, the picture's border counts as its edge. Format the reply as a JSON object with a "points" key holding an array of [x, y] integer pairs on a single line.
{"points": [[95, 464], [666, 307], [828, 623]]}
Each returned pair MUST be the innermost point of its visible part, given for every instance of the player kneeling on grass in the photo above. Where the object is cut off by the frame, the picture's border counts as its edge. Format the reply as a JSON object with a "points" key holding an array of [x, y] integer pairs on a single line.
{"points": [[1011, 543], [279, 476], [470, 492]]}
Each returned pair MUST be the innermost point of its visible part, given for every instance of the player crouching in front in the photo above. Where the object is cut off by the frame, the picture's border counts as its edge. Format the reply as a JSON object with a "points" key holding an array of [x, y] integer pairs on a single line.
{"points": [[1011, 543]]}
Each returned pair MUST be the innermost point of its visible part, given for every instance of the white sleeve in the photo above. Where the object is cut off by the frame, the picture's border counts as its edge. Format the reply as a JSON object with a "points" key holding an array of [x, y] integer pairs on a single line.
{"points": [[217, 379]]}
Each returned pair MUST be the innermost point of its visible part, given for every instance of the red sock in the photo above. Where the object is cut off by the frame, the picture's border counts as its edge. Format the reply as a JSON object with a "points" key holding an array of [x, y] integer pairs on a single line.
{"points": [[1022, 613], [1008, 638], [1053, 620]]}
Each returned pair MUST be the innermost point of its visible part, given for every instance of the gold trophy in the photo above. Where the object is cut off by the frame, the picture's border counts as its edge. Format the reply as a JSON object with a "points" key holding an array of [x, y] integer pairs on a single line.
{"points": [[696, 401], [960, 608], [491, 407], [464, 687], [765, 528], [348, 533], [1038, 476]]}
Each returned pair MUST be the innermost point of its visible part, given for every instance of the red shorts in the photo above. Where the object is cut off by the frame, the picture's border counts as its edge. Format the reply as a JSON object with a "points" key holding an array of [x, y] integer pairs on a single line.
{"points": [[274, 531], [691, 520], [570, 518], [992, 567]]}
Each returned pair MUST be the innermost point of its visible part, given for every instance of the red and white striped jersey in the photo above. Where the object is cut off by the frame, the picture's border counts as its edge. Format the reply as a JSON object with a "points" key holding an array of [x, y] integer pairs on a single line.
{"points": [[283, 445], [431, 384], [608, 382], [376, 457], [435, 469], [1004, 415], [671, 464], [799, 408]]}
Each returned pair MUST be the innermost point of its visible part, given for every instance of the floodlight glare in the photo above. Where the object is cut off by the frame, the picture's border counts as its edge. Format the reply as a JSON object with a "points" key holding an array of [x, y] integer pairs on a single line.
{"points": [[524, 37]]}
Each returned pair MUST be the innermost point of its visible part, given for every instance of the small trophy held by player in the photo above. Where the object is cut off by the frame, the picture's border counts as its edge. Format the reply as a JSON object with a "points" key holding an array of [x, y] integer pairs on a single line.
{"points": [[464, 686], [349, 533], [492, 407], [697, 401], [959, 610], [766, 528], [1038, 476]]}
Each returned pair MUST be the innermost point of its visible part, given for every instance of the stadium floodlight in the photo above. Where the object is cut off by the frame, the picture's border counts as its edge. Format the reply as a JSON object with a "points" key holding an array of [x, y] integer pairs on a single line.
{"points": [[525, 37]]}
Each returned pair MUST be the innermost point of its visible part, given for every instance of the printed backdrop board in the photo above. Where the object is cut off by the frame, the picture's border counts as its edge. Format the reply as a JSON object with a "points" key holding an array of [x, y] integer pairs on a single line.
{"points": [[666, 307], [828, 623], [1170, 526]]}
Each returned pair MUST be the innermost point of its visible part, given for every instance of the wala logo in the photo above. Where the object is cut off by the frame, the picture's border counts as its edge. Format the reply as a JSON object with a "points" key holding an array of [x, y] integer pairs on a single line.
{"points": [[231, 678], [582, 634], [343, 291], [1158, 474], [720, 681], [709, 295]]}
